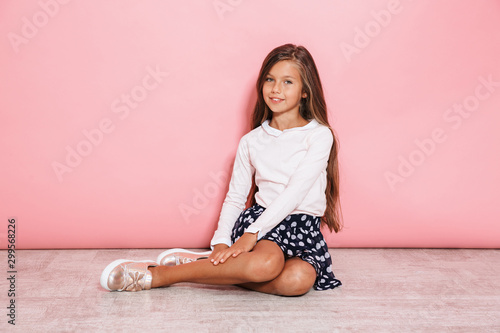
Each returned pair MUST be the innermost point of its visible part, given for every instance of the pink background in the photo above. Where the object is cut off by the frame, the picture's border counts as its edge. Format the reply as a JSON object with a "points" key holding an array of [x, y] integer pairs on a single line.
{"points": [[416, 171]]}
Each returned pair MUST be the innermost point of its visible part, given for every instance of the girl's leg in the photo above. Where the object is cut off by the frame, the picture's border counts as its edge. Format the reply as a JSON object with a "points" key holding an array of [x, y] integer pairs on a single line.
{"points": [[296, 278], [265, 262]]}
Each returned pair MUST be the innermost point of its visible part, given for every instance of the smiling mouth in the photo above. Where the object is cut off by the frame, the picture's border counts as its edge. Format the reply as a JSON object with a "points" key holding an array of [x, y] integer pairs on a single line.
{"points": [[276, 100]]}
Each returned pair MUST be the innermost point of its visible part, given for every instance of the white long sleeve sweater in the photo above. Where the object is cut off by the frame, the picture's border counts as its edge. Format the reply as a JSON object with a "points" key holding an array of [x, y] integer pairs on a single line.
{"points": [[290, 172]]}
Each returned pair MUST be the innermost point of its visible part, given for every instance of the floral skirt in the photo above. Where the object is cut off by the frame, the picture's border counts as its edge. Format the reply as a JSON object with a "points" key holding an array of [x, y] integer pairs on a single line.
{"points": [[298, 235]]}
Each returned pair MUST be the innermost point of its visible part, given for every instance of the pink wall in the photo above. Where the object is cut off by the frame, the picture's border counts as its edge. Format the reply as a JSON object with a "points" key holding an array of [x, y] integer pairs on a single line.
{"points": [[153, 96]]}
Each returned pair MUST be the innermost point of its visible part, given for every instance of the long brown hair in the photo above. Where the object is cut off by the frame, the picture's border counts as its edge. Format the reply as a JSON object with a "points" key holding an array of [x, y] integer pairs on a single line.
{"points": [[313, 106]]}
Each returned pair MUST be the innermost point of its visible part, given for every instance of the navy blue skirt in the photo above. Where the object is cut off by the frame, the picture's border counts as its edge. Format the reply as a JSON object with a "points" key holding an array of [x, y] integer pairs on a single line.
{"points": [[298, 235]]}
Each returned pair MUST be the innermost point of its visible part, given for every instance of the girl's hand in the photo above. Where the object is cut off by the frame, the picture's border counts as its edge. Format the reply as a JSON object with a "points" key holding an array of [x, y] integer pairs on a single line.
{"points": [[244, 244], [217, 248]]}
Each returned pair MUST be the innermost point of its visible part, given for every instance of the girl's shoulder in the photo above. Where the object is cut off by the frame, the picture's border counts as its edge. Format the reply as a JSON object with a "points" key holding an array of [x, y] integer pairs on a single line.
{"points": [[324, 130], [320, 133], [253, 133], [319, 128], [250, 137]]}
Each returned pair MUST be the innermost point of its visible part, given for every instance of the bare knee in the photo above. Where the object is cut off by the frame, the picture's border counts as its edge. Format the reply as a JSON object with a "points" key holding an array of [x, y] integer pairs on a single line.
{"points": [[296, 280], [265, 267]]}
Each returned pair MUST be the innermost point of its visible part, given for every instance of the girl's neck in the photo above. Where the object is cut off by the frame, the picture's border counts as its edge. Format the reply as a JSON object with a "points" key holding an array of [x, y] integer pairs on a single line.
{"points": [[286, 121]]}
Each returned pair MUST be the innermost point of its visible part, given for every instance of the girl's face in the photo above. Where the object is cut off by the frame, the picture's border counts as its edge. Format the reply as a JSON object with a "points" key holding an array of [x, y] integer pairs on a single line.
{"points": [[282, 89]]}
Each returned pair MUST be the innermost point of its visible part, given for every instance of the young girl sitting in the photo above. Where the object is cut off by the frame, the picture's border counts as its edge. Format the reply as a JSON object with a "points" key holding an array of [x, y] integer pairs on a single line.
{"points": [[288, 165]]}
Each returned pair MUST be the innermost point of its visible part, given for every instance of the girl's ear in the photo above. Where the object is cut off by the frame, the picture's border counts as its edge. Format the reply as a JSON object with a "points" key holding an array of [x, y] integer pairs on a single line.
{"points": [[304, 95]]}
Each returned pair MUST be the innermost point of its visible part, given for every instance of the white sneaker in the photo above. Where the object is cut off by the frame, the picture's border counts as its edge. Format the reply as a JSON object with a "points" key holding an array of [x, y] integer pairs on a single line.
{"points": [[174, 257], [127, 275]]}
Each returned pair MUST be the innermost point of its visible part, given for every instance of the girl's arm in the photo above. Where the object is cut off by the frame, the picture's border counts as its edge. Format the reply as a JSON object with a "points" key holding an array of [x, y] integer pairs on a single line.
{"points": [[236, 197]]}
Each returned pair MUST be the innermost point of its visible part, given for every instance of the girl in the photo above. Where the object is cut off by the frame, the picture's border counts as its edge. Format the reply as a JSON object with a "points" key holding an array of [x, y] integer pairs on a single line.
{"points": [[288, 165]]}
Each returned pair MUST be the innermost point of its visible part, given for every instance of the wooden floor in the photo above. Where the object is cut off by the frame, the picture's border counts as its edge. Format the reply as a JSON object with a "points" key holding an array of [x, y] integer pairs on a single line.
{"points": [[385, 290]]}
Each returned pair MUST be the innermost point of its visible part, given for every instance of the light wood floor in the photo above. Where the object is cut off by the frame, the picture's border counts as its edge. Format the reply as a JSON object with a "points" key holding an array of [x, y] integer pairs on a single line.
{"points": [[385, 290]]}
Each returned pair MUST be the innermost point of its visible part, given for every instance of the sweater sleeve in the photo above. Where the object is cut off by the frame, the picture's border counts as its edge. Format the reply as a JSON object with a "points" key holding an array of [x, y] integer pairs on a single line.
{"points": [[309, 169], [236, 197]]}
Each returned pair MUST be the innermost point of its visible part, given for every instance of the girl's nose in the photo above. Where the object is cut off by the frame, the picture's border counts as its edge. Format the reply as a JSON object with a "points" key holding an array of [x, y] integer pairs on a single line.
{"points": [[276, 88]]}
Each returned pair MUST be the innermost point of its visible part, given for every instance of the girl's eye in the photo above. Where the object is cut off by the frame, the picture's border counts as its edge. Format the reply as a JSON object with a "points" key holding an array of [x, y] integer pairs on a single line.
{"points": [[269, 79], [288, 82]]}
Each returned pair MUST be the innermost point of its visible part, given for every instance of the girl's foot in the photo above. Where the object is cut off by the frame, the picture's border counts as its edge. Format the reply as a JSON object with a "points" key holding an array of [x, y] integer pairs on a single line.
{"points": [[174, 257], [127, 275]]}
